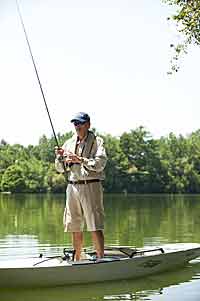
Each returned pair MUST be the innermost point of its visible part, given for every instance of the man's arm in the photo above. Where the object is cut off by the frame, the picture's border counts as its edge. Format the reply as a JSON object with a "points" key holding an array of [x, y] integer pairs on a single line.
{"points": [[97, 163]]}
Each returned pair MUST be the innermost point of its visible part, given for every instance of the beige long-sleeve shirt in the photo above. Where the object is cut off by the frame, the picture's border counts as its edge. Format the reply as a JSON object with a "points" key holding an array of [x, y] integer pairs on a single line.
{"points": [[94, 158]]}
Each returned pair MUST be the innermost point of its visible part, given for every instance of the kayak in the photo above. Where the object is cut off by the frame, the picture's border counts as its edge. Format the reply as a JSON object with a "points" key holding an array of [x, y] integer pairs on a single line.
{"points": [[119, 263]]}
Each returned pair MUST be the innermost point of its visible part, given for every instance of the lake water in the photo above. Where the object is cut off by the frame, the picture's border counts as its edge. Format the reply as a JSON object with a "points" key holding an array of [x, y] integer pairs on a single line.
{"points": [[32, 224]]}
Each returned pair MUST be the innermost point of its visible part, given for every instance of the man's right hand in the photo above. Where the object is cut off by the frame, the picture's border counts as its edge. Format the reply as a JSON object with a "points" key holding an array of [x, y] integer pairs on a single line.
{"points": [[59, 151], [61, 155]]}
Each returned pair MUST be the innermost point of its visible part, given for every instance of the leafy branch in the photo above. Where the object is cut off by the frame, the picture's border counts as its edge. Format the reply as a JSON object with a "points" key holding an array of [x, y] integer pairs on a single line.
{"points": [[187, 20]]}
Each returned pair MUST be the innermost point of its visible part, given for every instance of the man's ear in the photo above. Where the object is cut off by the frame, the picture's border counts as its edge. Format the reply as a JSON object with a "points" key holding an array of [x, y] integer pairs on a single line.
{"points": [[88, 125]]}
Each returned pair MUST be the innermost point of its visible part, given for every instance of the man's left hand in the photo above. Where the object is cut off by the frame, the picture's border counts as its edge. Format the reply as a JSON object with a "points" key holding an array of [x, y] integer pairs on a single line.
{"points": [[75, 158]]}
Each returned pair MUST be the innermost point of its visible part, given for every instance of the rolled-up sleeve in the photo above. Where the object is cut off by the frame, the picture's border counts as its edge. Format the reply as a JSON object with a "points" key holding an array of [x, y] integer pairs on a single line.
{"points": [[98, 162]]}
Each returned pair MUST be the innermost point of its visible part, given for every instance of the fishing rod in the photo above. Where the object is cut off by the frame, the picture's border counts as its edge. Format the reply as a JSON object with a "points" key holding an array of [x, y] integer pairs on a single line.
{"points": [[37, 74]]}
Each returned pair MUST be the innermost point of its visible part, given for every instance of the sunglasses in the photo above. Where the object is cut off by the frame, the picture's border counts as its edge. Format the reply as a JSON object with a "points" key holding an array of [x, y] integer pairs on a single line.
{"points": [[77, 123]]}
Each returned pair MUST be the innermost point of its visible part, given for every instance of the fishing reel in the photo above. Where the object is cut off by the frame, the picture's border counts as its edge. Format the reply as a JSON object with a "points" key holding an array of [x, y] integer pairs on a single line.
{"points": [[60, 154], [62, 160], [61, 157]]}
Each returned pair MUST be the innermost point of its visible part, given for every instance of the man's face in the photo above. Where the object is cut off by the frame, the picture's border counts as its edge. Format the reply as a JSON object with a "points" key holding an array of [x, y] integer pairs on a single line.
{"points": [[81, 128]]}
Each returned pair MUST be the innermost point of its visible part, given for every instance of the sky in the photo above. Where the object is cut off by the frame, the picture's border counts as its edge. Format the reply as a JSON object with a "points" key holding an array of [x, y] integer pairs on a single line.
{"points": [[108, 58]]}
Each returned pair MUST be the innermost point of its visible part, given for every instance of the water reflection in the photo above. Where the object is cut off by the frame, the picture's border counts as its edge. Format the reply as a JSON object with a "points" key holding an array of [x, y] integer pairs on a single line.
{"points": [[153, 219], [36, 220], [32, 224]]}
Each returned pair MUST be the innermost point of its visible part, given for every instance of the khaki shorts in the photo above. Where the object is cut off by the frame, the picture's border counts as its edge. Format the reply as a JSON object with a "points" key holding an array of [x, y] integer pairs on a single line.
{"points": [[84, 205]]}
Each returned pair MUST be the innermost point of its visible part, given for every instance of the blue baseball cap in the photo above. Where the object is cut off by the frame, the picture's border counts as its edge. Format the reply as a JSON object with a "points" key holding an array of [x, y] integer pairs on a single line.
{"points": [[81, 117]]}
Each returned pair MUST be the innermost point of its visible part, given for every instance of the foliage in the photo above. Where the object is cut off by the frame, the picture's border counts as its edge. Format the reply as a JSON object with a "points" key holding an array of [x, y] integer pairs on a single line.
{"points": [[114, 168], [13, 179], [136, 163], [188, 25], [56, 182]]}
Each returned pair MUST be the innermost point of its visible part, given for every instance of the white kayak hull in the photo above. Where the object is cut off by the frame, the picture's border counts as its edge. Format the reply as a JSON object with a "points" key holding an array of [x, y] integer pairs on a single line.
{"points": [[40, 273]]}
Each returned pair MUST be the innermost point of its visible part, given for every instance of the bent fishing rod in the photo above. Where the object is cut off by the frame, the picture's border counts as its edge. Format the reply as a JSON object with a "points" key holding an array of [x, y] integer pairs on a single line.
{"points": [[36, 71]]}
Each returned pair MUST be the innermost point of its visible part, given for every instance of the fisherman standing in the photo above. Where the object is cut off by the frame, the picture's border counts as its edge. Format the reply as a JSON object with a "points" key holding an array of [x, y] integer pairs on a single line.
{"points": [[85, 158]]}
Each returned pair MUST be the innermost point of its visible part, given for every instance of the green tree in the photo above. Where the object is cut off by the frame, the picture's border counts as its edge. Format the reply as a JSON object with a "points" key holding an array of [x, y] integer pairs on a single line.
{"points": [[45, 149], [13, 179], [143, 163], [56, 181], [187, 22], [193, 173], [115, 168], [136, 163], [177, 164], [35, 174]]}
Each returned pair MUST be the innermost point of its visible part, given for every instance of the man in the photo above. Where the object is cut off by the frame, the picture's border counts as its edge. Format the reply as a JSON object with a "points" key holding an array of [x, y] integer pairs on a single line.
{"points": [[85, 159]]}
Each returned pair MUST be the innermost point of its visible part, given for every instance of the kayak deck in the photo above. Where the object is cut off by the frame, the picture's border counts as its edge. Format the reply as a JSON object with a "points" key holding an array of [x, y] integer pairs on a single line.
{"points": [[112, 253], [119, 263]]}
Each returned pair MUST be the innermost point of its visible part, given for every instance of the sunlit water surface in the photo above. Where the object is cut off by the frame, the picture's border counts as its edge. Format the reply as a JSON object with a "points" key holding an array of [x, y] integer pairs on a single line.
{"points": [[32, 224]]}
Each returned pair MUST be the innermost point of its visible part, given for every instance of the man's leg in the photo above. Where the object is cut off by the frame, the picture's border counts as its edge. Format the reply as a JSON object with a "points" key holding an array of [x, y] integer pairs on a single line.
{"points": [[98, 240], [77, 241]]}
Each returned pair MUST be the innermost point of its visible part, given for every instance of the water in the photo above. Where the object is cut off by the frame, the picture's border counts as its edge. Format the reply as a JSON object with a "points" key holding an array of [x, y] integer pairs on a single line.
{"points": [[32, 224]]}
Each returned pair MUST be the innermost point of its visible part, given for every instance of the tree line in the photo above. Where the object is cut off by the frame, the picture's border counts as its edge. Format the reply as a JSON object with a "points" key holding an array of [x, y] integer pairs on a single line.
{"points": [[137, 163]]}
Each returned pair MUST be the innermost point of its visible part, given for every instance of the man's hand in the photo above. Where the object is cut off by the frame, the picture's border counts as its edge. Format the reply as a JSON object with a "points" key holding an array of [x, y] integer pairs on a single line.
{"points": [[73, 158], [59, 151], [67, 157]]}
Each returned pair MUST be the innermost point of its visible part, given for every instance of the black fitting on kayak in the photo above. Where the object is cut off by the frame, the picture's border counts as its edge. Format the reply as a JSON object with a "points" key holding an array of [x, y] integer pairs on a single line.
{"points": [[67, 254], [73, 254], [135, 252], [66, 257]]}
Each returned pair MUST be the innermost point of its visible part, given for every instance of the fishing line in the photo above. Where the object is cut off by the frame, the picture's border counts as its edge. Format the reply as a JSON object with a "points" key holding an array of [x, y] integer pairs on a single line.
{"points": [[36, 71]]}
